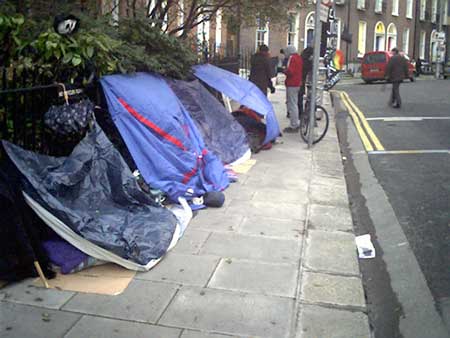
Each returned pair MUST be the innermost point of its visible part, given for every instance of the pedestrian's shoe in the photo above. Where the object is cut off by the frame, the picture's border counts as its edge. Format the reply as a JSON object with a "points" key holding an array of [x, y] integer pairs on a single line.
{"points": [[290, 130], [396, 106]]}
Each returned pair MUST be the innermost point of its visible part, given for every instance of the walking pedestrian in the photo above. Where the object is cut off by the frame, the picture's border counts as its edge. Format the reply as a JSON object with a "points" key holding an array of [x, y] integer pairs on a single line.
{"points": [[396, 71], [261, 70], [293, 83], [418, 67]]}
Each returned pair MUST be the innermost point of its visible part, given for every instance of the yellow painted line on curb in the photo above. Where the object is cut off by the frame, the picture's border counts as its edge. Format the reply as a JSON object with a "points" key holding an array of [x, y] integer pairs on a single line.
{"points": [[370, 133], [359, 128]]}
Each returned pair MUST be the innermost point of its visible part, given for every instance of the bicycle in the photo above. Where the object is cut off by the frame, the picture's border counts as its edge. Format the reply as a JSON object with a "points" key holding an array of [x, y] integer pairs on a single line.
{"points": [[321, 117], [321, 122]]}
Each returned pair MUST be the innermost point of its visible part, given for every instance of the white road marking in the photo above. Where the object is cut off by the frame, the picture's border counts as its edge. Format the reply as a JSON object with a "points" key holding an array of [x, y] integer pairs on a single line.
{"points": [[409, 152], [407, 119]]}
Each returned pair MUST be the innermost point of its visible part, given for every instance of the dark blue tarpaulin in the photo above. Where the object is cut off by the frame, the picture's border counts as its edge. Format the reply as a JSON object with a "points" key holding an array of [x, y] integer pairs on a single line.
{"points": [[242, 91], [223, 135], [93, 192], [162, 138]]}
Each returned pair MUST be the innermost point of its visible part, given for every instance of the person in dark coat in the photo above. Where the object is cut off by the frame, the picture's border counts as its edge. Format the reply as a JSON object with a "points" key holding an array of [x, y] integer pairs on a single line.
{"points": [[396, 71], [284, 60], [418, 66], [261, 70], [307, 56]]}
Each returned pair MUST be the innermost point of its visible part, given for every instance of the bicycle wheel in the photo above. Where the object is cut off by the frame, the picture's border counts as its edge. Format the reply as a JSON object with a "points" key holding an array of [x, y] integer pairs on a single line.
{"points": [[321, 123]]}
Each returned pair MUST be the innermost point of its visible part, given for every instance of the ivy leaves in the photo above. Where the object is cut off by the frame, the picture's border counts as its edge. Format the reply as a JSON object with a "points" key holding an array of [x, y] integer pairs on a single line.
{"points": [[98, 49]]}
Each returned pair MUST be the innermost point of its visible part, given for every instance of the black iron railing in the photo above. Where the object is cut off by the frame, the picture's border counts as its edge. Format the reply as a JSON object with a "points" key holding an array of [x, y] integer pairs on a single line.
{"points": [[23, 105]]}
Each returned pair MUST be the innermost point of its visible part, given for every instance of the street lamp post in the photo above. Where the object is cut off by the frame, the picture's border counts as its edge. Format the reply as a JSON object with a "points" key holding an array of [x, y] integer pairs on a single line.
{"points": [[347, 43], [312, 105]]}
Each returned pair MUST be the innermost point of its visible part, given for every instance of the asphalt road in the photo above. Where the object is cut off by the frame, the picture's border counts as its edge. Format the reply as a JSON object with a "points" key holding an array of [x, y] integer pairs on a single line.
{"points": [[413, 168]]}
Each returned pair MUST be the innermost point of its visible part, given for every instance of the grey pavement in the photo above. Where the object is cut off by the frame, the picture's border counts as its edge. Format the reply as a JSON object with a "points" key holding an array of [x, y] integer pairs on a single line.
{"points": [[278, 260]]}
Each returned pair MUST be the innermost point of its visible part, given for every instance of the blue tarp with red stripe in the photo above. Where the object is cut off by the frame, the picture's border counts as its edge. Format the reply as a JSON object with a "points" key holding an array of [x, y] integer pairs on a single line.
{"points": [[242, 91], [162, 138]]}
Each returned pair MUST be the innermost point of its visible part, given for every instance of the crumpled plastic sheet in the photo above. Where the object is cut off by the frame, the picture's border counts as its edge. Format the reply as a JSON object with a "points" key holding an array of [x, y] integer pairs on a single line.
{"points": [[95, 194]]}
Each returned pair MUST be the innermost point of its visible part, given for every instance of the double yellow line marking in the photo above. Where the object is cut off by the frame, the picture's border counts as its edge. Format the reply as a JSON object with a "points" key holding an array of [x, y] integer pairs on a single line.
{"points": [[368, 137]]}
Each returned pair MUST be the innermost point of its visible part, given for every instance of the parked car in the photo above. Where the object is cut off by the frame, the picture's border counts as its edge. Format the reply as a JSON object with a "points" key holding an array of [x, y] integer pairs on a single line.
{"points": [[446, 70], [373, 66]]}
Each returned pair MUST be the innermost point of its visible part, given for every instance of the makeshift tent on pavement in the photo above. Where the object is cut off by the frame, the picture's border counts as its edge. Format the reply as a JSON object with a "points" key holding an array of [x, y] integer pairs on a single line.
{"points": [[242, 91], [222, 134], [161, 136], [92, 200], [20, 231]]}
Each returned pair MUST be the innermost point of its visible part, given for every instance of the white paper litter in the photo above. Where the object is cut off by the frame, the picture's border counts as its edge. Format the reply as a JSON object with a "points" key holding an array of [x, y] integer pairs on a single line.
{"points": [[365, 246]]}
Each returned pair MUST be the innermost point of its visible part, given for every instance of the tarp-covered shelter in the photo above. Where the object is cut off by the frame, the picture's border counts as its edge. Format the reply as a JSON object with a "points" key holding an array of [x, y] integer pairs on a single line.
{"points": [[92, 200], [222, 134], [165, 143], [20, 231], [242, 91]]}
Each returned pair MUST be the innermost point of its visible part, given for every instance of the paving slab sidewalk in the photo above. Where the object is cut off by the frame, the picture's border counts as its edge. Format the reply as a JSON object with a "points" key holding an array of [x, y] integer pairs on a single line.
{"points": [[278, 260]]}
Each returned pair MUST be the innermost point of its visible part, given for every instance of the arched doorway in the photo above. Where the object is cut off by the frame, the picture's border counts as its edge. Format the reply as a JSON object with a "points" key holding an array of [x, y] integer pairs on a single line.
{"points": [[434, 44], [391, 37], [380, 34], [309, 30]]}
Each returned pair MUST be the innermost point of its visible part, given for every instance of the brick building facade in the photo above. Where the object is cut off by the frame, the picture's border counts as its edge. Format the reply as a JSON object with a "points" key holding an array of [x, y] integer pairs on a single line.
{"points": [[409, 25]]}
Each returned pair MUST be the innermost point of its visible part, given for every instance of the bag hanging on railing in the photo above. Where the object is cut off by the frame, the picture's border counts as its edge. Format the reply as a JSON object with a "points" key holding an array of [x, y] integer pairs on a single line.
{"points": [[70, 118]]}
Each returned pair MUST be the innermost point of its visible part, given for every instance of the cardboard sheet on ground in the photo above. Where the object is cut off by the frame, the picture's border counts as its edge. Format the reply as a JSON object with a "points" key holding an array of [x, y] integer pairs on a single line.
{"points": [[107, 279], [244, 168]]}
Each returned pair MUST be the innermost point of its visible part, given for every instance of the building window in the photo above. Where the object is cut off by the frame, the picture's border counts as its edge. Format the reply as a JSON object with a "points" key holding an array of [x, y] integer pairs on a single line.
{"points": [[361, 4], [395, 7], [362, 34], [380, 33], [434, 44], [218, 37], [339, 30], [262, 33], [423, 36], [391, 37], [309, 30], [405, 38], [445, 21], [293, 26], [115, 11], [151, 5], [378, 6], [409, 9], [203, 37], [433, 11], [180, 17], [423, 7]]}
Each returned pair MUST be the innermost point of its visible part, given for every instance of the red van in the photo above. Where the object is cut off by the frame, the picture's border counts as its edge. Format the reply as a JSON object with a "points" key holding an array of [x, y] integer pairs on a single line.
{"points": [[373, 66]]}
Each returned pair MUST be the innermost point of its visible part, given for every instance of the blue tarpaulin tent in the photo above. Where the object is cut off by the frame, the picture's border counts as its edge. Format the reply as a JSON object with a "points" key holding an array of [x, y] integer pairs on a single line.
{"points": [[242, 91], [223, 135], [161, 136]]}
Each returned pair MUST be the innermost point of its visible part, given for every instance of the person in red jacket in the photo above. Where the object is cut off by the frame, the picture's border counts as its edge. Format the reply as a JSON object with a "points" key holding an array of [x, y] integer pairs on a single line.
{"points": [[293, 83]]}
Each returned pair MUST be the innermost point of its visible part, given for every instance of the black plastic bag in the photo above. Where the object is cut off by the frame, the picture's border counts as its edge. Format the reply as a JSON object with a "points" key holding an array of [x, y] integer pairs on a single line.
{"points": [[70, 118]]}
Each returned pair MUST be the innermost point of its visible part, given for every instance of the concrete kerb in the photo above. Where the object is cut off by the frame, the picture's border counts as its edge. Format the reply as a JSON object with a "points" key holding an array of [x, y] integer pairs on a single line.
{"points": [[340, 300]]}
